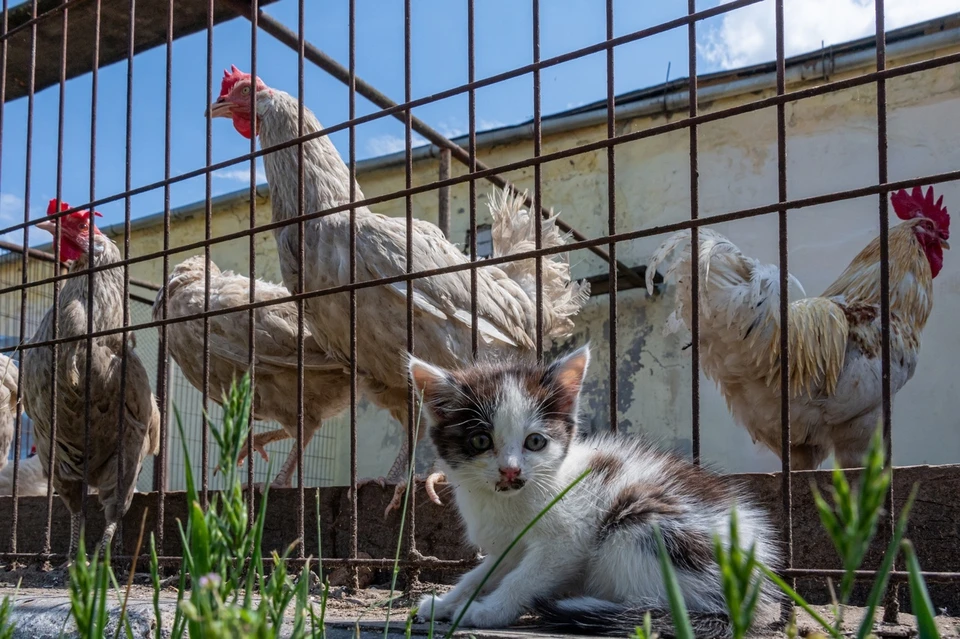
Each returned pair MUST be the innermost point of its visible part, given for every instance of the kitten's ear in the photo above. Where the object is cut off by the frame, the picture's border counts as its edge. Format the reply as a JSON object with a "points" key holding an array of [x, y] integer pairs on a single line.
{"points": [[568, 371], [427, 378]]}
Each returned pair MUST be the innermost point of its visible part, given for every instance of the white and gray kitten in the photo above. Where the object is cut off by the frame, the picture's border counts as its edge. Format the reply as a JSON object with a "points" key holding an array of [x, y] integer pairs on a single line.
{"points": [[505, 436]]}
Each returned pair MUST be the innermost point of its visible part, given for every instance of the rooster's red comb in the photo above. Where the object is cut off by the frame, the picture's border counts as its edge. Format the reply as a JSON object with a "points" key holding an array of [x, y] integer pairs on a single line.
{"points": [[230, 78], [909, 205], [52, 208]]}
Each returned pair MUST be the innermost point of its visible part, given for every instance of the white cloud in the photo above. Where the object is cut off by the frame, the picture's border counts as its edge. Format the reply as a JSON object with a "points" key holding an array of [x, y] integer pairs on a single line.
{"points": [[486, 125], [748, 35], [387, 144], [11, 207], [240, 175]]}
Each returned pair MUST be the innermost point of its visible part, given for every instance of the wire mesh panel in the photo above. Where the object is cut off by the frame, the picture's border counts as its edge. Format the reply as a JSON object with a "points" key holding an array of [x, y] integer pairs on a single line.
{"points": [[761, 153]]}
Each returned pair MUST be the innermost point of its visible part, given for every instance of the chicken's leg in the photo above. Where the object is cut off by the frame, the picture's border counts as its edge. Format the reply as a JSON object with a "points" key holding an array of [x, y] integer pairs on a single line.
{"points": [[284, 478], [398, 474], [74, 537], [107, 537], [260, 440]]}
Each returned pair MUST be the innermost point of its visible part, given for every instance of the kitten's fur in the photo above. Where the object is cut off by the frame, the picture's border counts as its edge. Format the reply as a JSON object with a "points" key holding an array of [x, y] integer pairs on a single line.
{"points": [[591, 563]]}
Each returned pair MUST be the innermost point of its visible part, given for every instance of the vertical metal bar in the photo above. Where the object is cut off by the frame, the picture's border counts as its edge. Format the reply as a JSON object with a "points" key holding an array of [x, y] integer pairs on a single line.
{"points": [[892, 603], [88, 390], [207, 235], [252, 251], [537, 179], [472, 168], [18, 421], [54, 373], [694, 241], [301, 249], [443, 194], [163, 355], [355, 493], [612, 225], [412, 575], [786, 476], [128, 182]]}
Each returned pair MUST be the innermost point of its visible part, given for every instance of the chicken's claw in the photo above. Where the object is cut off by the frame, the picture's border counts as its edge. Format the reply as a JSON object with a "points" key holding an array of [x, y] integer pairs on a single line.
{"points": [[257, 446], [429, 485]]}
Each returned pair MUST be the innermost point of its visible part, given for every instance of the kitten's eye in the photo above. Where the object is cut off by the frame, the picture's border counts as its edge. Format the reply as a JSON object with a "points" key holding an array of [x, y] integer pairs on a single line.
{"points": [[535, 442], [481, 442]]}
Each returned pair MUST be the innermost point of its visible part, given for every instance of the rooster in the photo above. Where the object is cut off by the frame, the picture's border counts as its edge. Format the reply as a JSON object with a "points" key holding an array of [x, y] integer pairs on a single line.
{"points": [[141, 418], [8, 406], [325, 383], [506, 306], [834, 339]]}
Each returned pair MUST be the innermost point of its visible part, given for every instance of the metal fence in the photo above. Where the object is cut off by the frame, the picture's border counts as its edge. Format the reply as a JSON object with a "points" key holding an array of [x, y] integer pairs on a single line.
{"points": [[169, 384]]}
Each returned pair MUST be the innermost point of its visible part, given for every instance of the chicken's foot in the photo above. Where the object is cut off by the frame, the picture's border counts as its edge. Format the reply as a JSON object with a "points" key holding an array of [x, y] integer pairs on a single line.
{"points": [[429, 484]]}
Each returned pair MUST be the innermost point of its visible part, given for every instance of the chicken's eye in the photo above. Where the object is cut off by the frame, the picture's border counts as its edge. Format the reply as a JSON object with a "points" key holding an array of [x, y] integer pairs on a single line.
{"points": [[535, 442], [481, 442], [245, 91]]}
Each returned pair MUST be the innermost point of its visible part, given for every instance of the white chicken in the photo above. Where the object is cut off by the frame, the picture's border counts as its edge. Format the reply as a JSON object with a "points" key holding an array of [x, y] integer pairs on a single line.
{"points": [[506, 301], [326, 385]]}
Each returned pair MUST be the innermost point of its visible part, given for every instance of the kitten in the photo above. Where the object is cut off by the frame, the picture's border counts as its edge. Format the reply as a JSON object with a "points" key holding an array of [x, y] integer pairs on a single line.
{"points": [[505, 435]]}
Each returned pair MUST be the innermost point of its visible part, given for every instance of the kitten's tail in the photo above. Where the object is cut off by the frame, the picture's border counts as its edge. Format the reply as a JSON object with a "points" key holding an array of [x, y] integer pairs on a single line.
{"points": [[587, 615]]}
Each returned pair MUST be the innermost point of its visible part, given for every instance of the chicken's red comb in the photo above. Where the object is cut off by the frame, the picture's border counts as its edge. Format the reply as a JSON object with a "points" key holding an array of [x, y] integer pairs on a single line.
{"points": [[230, 78], [909, 205], [52, 208]]}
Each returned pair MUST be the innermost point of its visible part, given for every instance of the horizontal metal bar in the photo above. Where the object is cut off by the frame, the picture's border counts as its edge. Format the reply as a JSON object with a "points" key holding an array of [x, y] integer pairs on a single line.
{"points": [[800, 203], [749, 107], [49, 257]]}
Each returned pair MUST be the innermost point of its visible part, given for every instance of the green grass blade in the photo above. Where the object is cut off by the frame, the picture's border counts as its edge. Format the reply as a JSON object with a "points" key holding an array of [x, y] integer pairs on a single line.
{"points": [[678, 609], [800, 601], [919, 596], [883, 575]]}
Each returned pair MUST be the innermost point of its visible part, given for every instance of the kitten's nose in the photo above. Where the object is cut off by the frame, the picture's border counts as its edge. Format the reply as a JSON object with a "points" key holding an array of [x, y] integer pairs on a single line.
{"points": [[510, 473]]}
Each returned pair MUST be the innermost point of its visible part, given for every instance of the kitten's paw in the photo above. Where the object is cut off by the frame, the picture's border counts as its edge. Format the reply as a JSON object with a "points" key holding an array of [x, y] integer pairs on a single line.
{"points": [[434, 604], [482, 614]]}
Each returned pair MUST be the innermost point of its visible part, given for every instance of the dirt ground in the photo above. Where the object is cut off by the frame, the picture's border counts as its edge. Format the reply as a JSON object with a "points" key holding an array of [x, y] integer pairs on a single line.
{"points": [[369, 605]]}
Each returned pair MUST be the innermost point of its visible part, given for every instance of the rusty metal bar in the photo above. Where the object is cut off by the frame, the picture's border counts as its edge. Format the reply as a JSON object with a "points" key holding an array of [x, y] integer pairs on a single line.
{"points": [[252, 260], [91, 282], [301, 253], [613, 277], [786, 487], [287, 37], [443, 194], [163, 352], [354, 391], [55, 320], [207, 235], [125, 319], [694, 239], [471, 169], [538, 181], [413, 575], [18, 417], [891, 606]]}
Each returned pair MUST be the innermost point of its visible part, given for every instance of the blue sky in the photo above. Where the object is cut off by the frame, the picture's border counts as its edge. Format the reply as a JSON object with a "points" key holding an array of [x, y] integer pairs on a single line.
{"points": [[439, 61]]}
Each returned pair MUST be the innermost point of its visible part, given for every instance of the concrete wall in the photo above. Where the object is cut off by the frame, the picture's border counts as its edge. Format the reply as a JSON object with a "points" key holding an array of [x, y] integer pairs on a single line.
{"points": [[831, 145]]}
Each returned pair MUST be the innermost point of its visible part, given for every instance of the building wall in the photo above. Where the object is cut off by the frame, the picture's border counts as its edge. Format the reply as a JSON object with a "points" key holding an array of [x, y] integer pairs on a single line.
{"points": [[831, 146]]}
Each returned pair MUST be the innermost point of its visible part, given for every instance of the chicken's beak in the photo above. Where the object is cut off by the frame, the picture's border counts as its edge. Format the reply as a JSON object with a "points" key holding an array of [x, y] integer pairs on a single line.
{"points": [[220, 109], [945, 244], [48, 226]]}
